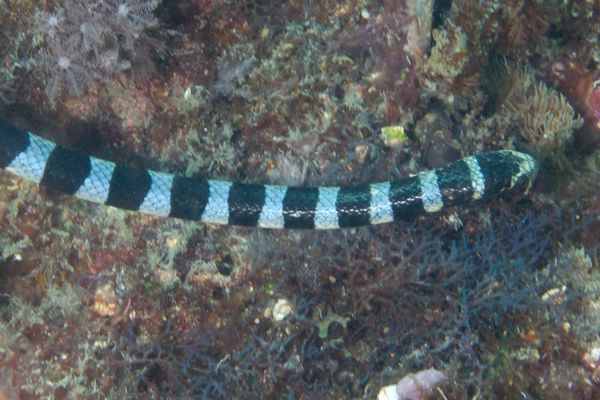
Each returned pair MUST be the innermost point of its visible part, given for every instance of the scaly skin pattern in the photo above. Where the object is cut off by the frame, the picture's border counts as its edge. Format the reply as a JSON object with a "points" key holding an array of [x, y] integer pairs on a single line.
{"points": [[470, 179]]}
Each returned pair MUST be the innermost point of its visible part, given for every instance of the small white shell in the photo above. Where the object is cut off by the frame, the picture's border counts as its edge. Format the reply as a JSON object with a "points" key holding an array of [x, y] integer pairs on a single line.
{"points": [[388, 393], [281, 310], [417, 386]]}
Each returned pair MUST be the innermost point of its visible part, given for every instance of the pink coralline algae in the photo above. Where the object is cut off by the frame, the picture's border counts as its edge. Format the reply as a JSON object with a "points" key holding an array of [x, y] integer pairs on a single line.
{"points": [[583, 92], [594, 100]]}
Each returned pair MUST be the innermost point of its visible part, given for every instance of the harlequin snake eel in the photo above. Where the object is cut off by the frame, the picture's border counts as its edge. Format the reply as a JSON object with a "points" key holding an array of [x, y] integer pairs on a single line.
{"points": [[474, 178]]}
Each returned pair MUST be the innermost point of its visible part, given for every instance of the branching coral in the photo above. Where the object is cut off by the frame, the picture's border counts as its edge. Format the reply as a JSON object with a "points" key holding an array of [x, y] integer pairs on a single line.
{"points": [[375, 305], [441, 70]]}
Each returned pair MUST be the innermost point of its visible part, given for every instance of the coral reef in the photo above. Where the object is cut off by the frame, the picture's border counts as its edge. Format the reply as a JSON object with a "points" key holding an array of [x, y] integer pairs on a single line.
{"points": [[503, 298], [545, 118], [581, 89], [542, 117], [15, 45], [445, 63], [90, 41]]}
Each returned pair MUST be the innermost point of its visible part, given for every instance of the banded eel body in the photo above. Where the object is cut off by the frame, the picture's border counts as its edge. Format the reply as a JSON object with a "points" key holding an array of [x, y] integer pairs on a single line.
{"points": [[473, 178]]}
